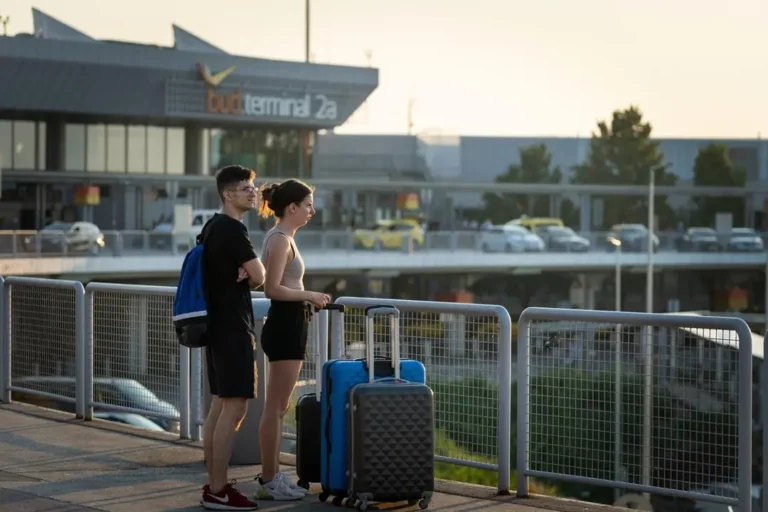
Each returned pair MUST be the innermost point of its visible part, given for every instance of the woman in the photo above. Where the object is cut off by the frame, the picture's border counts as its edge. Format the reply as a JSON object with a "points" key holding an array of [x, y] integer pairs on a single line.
{"points": [[284, 335]]}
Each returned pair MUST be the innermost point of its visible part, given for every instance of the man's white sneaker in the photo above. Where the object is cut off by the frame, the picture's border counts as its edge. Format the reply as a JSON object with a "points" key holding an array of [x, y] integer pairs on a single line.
{"points": [[275, 490], [290, 484]]}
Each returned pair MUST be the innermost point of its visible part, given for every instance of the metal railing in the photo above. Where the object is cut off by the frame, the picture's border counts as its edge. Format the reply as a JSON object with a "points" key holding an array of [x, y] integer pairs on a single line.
{"points": [[43, 360], [35, 244], [466, 351], [649, 403], [658, 404]]}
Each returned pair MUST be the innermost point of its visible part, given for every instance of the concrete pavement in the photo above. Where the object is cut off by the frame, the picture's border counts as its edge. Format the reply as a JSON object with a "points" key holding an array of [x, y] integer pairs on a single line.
{"points": [[50, 462]]}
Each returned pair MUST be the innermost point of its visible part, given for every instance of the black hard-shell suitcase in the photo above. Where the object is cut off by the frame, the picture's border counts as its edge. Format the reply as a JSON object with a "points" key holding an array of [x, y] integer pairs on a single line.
{"points": [[390, 433], [308, 408]]}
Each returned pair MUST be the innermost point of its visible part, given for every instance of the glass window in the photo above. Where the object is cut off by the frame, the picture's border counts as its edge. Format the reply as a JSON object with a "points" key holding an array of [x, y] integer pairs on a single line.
{"points": [[41, 149], [6, 142], [175, 151], [116, 148], [269, 153], [24, 145], [96, 146], [155, 150], [137, 149], [74, 151]]}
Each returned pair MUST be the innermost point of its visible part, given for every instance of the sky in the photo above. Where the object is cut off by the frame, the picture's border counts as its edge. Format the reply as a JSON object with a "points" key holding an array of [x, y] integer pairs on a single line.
{"points": [[696, 68]]}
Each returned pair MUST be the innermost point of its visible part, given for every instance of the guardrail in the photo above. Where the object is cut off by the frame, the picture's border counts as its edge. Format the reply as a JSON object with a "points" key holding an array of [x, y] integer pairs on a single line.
{"points": [[577, 416], [658, 404], [456, 342], [33, 244]]}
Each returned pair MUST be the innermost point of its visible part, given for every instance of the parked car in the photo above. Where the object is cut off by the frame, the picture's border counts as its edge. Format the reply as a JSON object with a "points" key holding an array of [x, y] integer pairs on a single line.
{"points": [[510, 238], [699, 239], [389, 234], [532, 223], [129, 418], [558, 238], [745, 240], [109, 391], [73, 237], [633, 238]]}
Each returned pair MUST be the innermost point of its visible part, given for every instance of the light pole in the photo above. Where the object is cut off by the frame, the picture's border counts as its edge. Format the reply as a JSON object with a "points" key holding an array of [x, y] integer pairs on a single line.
{"points": [[306, 30], [651, 247], [617, 467], [617, 300], [4, 22], [648, 380]]}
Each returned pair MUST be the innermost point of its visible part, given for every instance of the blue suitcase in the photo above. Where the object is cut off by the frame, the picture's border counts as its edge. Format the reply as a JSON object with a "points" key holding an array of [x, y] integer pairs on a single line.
{"points": [[339, 377]]}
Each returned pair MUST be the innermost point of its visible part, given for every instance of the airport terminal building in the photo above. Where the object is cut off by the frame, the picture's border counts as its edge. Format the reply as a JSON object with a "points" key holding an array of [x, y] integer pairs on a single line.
{"points": [[94, 129]]}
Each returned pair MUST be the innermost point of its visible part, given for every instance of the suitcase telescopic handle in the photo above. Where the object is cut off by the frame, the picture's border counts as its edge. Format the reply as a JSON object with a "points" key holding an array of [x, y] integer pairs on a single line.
{"points": [[333, 307], [382, 309], [394, 331]]}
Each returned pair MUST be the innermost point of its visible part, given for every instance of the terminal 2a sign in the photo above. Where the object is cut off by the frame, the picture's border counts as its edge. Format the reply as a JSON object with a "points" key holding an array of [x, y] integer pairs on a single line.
{"points": [[236, 102]]}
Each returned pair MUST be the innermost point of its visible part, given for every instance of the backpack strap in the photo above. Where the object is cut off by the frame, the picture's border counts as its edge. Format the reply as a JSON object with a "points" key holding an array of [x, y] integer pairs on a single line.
{"points": [[200, 239]]}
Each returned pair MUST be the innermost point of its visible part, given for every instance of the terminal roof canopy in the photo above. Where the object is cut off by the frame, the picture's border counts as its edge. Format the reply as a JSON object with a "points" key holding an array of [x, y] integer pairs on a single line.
{"points": [[60, 70]]}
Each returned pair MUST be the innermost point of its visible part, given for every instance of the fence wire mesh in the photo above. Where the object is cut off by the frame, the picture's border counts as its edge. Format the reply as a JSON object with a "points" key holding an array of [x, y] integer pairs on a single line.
{"points": [[43, 352], [460, 356], [136, 355], [654, 406]]}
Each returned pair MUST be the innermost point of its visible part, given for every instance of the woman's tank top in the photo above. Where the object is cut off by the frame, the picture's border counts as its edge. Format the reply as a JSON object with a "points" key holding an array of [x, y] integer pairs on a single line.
{"points": [[293, 275]]}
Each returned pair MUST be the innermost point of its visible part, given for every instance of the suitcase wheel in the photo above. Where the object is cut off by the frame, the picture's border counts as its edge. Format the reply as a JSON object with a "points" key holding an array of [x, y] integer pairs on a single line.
{"points": [[423, 503], [303, 483], [323, 496], [337, 500], [362, 505]]}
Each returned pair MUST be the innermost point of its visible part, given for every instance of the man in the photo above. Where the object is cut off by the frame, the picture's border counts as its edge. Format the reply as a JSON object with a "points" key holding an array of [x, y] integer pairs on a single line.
{"points": [[230, 269]]}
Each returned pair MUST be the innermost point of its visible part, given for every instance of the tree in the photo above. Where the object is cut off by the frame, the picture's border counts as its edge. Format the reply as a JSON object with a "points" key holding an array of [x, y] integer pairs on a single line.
{"points": [[535, 167], [624, 154], [713, 168]]}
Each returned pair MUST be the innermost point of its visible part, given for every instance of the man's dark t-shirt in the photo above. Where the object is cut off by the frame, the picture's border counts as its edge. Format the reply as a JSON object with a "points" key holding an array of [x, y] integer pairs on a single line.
{"points": [[227, 247]]}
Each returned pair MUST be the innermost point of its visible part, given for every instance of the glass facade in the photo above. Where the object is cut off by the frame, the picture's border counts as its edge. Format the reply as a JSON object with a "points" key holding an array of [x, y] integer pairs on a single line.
{"points": [[270, 152], [137, 149], [116, 153], [119, 148], [174, 154], [21, 145]]}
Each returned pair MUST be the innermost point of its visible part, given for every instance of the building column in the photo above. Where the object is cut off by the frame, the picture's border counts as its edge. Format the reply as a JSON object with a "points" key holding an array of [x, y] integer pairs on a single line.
{"points": [[197, 155], [585, 213], [55, 145]]}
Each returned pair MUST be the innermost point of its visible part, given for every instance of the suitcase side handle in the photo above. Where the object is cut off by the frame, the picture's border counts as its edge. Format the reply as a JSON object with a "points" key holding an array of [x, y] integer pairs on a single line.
{"points": [[394, 330]]}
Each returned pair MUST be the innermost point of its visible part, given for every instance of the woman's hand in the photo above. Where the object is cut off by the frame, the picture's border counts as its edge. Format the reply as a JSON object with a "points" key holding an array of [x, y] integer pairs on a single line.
{"points": [[242, 275], [319, 300]]}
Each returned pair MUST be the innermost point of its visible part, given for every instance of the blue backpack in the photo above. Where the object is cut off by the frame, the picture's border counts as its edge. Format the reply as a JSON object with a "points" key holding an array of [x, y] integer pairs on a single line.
{"points": [[190, 307]]}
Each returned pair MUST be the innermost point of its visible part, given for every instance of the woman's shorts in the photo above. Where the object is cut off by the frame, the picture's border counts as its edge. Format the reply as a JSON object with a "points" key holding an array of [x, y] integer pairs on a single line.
{"points": [[285, 332]]}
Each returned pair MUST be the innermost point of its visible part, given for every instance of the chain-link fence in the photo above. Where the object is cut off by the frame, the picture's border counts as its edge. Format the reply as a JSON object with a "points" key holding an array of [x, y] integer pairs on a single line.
{"points": [[466, 352], [134, 363], [648, 403], [43, 365]]}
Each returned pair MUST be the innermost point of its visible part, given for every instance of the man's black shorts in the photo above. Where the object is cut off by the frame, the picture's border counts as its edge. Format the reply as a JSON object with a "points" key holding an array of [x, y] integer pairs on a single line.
{"points": [[231, 365]]}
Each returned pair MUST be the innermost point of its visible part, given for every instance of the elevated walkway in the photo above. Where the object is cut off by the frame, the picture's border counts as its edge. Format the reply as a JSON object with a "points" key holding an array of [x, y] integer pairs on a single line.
{"points": [[53, 463]]}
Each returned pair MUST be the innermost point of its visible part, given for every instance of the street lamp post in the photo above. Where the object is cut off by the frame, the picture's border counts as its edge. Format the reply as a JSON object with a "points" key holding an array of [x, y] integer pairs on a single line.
{"points": [[306, 30], [618, 473], [648, 380]]}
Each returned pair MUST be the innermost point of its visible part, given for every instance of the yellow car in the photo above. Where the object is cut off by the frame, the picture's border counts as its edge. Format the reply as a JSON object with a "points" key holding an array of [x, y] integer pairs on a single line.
{"points": [[389, 234], [531, 223]]}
